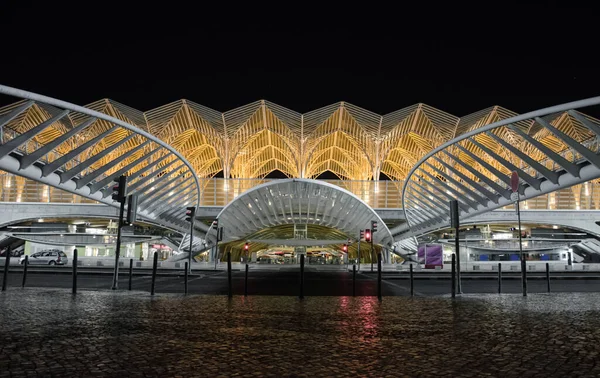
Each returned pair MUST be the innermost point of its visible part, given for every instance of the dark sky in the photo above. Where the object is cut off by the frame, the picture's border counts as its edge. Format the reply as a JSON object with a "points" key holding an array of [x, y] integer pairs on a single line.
{"points": [[456, 58]]}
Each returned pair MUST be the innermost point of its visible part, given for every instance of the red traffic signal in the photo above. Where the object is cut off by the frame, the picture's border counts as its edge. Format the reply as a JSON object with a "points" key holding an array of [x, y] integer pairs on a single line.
{"points": [[246, 247], [373, 226], [119, 190], [345, 248], [367, 235], [189, 213]]}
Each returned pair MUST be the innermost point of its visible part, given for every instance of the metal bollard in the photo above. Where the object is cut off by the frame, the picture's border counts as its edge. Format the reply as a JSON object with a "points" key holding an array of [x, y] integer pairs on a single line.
{"points": [[246, 281], [499, 278], [412, 285], [130, 272], [548, 276], [25, 263], [354, 280], [524, 276], [379, 276], [75, 271], [6, 264], [185, 287], [229, 288], [453, 275], [154, 266], [301, 296]]}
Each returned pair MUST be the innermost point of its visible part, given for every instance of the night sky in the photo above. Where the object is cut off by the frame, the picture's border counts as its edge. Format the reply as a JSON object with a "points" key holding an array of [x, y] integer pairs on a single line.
{"points": [[458, 58]]}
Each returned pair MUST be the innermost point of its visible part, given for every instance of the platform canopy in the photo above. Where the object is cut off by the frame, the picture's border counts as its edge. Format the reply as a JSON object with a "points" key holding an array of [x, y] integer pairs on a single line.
{"points": [[300, 202]]}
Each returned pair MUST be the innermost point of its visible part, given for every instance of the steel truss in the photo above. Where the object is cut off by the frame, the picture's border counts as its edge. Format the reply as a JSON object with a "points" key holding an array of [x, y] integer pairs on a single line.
{"points": [[81, 151], [550, 149]]}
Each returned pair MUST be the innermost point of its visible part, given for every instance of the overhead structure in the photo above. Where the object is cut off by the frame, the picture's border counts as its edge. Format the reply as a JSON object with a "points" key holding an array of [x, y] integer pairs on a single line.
{"points": [[298, 201], [550, 149], [82, 151]]}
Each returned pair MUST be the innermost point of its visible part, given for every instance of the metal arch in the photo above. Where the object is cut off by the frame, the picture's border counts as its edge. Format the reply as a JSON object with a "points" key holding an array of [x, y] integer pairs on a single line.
{"points": [[289, 201], [85, 185], [537, 177]]}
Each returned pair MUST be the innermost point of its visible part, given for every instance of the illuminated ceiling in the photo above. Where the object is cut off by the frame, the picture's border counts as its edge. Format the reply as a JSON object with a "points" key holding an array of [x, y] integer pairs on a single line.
{"points": [[259, 138]]}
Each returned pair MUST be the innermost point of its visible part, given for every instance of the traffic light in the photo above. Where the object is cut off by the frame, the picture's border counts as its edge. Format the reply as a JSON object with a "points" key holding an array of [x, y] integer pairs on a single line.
{"points": [[345, 248], [373, 226], [362, 235], [368, 236], [119, 190], [215, 224], [189, 213], [246, 247], [132, 203]]}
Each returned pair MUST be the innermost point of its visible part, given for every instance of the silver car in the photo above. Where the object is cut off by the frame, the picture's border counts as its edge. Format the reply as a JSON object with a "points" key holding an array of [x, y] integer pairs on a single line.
{"points": [[53, 257]]}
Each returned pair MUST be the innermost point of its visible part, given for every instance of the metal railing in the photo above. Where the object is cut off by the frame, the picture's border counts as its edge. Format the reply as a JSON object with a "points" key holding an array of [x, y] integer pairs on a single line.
{"points": [[378, 194]]}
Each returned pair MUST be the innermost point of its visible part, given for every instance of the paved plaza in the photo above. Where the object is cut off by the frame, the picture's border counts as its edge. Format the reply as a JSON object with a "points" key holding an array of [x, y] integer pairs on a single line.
{"points": [[50, 332]]}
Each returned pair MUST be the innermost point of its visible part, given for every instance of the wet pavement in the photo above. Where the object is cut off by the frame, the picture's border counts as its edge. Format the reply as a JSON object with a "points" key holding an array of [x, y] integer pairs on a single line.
{"points": [[49, 332]]}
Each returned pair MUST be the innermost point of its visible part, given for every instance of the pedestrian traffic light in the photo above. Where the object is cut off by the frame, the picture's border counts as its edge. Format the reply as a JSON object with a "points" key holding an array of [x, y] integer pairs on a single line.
{"points": [[345, 248], [215, 224], [119, 190], [246, 247], [189, 213], [368, 236], [362, 235], [132, 204], [373, 226]]}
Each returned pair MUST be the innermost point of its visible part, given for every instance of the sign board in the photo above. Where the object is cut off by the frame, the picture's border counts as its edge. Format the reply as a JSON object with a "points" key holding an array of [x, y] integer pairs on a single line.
{"points": [[514, 196], [300, 250], [514, 182], [431, 255]]}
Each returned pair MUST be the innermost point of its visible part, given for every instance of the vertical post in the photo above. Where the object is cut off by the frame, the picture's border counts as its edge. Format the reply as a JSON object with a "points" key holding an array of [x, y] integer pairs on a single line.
{"points": [[412, 286], [523, 263], [301, 296], [6, 264], [115, 284], [548, 276], [130, 273], [189, 262], [455, 221], [229, 288], [154, 266], [499, 278], [379, 276], [372, 251], [25, 263], [75, 271], [354, 280], [358, 253], [246, 281], [453, 275], [185, 287]]}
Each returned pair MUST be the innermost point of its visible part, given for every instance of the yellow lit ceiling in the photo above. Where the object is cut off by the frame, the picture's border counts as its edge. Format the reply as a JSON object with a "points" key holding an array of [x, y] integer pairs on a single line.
{"points": [[259, 138]]}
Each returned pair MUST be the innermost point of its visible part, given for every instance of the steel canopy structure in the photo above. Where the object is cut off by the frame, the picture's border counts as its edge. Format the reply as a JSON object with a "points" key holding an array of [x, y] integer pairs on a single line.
{"points": [[82, 151], [550, 149], [299, 201], [168, 152]]}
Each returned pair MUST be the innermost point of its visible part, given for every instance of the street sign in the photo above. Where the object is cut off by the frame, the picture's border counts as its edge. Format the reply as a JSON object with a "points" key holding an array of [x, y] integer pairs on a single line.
{"points": [[514, 196], [514, 182]]}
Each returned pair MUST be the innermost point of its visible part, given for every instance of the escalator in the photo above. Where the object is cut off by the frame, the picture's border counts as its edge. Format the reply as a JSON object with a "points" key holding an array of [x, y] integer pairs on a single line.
{"points": [[588, 251], [17, 246]]}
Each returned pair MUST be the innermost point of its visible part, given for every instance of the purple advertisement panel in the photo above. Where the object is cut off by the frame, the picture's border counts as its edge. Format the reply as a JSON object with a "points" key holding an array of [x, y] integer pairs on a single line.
{"points": [[431, 255]]}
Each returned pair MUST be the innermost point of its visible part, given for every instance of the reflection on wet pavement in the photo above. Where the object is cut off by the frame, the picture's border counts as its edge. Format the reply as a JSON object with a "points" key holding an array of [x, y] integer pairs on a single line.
{"points": [[49, 332]]}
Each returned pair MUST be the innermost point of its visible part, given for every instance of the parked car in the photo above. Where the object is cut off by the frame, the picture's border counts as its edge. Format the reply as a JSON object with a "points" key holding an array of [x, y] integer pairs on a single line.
{"points": [[52, 257]]}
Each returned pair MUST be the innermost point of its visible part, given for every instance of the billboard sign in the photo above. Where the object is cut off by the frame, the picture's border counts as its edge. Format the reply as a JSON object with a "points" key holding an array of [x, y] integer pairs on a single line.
{"points": [[431, 255]]}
